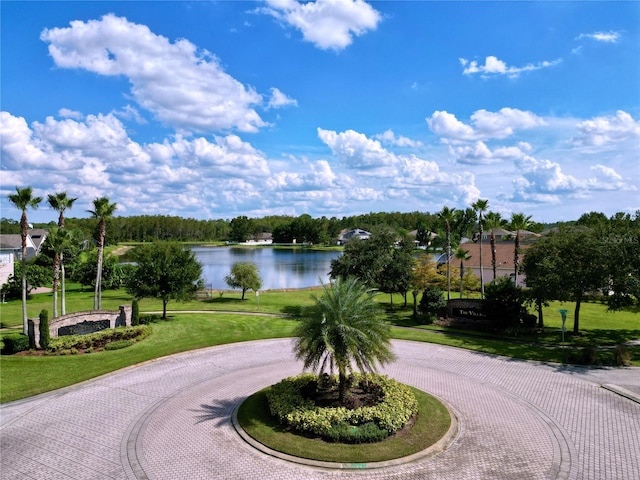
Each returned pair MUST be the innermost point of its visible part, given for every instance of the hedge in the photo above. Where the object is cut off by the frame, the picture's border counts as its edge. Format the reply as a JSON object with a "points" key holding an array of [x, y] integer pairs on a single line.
{"points": [[288, 405]]}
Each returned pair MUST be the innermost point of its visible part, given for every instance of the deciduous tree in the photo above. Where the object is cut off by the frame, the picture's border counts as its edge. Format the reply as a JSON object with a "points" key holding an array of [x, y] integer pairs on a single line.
{"points": [[244, 275], [165, 270]]}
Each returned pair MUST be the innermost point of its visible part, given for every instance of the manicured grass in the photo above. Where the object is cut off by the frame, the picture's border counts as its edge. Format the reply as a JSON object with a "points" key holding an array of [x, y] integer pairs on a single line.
{"points": [[432, 423], [78, 299], [23, 376]]}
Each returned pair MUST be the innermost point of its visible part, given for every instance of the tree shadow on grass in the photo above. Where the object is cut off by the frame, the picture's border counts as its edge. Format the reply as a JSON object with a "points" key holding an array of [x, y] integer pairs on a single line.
{"points": [[223, 300]]}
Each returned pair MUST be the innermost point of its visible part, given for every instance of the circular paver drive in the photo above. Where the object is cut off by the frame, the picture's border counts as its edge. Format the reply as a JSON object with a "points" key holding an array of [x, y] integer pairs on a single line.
{"points": [[170, 419]]}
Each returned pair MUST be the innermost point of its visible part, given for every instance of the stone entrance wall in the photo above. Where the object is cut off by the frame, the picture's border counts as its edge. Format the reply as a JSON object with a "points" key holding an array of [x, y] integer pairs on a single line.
{"points": [[81, 323]]}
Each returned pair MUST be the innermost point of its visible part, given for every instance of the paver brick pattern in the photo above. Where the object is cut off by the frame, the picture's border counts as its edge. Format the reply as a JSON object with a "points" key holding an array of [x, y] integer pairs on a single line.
{"points": [[169, 419]]}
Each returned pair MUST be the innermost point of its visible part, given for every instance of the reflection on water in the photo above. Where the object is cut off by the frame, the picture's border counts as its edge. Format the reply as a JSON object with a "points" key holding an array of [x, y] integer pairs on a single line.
{"points": [[279, 268]]}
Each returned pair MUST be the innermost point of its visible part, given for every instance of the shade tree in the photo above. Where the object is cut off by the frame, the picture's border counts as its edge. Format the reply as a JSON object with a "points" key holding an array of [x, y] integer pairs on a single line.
{"points": [[165, 270], [245, 276]]}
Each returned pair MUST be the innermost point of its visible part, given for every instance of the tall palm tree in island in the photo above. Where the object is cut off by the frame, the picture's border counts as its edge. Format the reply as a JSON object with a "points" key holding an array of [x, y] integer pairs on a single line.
{"points": [[519, 222], [447, 215], [102, 209], [344, 328], [23, 199], [480, 206], [60, 202]]}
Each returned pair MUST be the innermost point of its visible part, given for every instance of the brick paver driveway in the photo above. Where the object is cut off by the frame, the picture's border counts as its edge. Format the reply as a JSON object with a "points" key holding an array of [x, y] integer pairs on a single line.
{"points": [[169, 419]]}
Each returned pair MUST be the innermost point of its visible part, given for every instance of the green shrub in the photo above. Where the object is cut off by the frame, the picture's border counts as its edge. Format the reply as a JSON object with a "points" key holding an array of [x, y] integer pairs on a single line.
{"points": [[14, 344], [289, 406], [622, 356], [366, 433], [45, 337], [98, 340], [431, 303], [118, 344], [135, 313], [589, 355], [150, 318]]}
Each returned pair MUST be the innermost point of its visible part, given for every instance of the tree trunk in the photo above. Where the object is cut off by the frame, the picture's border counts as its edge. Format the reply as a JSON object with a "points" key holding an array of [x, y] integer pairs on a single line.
{"points": [[576, 315], [63, 306], [243, 291], [461, 277], [164, 307], [540, 315], [481, 266], [24, 225], [493, 254], [516, 259], [97, 296], [415, 302], [342, 387], [56, 279]]}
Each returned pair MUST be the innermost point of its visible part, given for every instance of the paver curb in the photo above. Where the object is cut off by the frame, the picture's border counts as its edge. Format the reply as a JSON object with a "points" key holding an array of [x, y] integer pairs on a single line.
{"points": [[634, 397], [440, 446]]}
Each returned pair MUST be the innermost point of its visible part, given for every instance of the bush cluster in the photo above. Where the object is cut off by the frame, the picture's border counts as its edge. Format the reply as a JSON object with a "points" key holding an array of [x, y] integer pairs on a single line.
{"points": [[98, 340], [14, 344], [288, 404]]}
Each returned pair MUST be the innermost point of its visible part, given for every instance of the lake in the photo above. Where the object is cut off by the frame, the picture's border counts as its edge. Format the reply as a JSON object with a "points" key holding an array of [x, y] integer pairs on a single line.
{"points": [[279, 268]]}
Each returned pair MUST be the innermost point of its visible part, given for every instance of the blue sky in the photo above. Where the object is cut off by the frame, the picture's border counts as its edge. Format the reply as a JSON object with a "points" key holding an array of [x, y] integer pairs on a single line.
{"points": [[220, 109]]}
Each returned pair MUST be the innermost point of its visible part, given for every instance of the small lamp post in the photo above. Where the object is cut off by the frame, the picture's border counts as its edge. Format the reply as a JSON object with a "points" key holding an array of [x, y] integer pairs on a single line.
{"points": [[564, 319]]}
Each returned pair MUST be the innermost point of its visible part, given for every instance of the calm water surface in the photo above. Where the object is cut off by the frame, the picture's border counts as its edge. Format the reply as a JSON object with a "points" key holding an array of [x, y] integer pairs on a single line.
{"points": [[279, 268]]}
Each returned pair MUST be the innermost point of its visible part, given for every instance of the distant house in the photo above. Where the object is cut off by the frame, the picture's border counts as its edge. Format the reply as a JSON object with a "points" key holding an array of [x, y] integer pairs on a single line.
{"points": [[6, 265], [414, 234], [11, 250], [346, 235], [504, 260], [263, 238], [500, 234]]}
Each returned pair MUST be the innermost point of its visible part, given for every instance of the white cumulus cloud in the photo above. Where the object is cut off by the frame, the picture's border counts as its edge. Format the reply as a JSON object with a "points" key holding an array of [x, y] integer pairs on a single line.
{"points": [[605, 130], [184, 87], [486, 125], [328, 24]]}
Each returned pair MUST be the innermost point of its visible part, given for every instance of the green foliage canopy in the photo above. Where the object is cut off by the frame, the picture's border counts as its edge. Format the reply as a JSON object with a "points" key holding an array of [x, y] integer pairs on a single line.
{"points": [[165, 270], [244, 275]]}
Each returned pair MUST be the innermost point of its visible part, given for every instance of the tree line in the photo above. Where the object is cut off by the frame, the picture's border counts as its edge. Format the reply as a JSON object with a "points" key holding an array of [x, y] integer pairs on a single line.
{"points": [[592, 254], [284, 229]]}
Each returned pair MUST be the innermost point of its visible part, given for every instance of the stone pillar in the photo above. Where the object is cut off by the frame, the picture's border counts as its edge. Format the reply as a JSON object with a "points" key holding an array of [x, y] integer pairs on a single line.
{"points": [[34, 332]]}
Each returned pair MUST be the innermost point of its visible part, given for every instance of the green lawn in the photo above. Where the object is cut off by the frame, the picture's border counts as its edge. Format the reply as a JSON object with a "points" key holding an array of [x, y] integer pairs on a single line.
{"points": [[23, 376]]}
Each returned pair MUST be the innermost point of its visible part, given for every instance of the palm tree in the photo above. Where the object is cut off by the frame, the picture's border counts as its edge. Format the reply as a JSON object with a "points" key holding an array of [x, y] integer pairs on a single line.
{"points": [[60, 202], [448, 215], [480, 206], [493, 220], [23, 199], [462, 255], [519, 221], [102, 209], [58, 240], [343, 328]]}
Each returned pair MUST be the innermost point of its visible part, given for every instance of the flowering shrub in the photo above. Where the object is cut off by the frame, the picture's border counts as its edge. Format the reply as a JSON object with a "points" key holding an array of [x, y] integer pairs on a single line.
{"points": [[368, 423]]}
